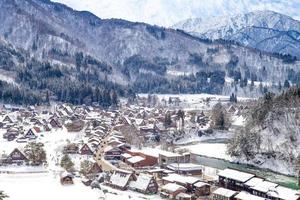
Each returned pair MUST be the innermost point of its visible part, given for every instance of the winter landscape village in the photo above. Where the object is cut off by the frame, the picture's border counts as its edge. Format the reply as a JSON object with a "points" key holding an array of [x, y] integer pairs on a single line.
{"points": [[160, 147], [149, 100]]}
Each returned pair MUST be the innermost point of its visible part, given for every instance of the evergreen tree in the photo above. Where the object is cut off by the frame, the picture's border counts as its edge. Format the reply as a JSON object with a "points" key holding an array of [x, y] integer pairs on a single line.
{"points": [[66, 163], [85, 167], [35, 153], [219, 117]]}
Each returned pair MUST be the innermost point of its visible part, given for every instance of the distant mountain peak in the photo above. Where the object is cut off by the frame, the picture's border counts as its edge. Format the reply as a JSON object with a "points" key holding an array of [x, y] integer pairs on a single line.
{"points": [[264, 30]]}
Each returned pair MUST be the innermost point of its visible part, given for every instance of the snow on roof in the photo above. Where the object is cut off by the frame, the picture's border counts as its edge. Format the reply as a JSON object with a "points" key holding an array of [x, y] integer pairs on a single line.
{"points": [[169, 154], [200, 184], [265, 186], [135, 159], [183, 195], [119, 179], [184, 166], [254, 181], [141, 183], [247, 196], [284, 193], [236, 175], [172, 187], [224, 192], [126, 155], [181, 179]]}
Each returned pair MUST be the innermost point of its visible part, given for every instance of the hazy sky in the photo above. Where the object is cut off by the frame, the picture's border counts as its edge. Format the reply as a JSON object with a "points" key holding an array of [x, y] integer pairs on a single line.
{"points": [[169, 12]]}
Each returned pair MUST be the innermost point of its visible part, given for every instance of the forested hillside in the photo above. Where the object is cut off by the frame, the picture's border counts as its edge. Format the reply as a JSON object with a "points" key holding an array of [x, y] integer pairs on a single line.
{"points": [[272, 132]]}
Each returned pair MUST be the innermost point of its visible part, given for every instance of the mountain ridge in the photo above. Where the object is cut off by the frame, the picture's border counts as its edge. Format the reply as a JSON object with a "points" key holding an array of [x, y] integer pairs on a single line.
{"points": [[133, 55], [255, 29]]}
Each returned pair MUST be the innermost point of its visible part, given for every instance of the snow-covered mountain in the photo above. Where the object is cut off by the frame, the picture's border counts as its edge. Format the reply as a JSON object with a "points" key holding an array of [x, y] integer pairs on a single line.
{"points": [[265, 30], [169, 12], [81, 47]]}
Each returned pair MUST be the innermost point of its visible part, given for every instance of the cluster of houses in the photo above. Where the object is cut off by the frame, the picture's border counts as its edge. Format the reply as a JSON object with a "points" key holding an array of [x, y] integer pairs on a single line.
{"points": [[234, 184], [107, 136]]}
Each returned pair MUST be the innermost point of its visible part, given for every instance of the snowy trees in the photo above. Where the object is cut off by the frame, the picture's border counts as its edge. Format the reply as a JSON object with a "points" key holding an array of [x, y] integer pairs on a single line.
{"points": [[66, 163], [245, 143], [35, 153], [85, 167], [219, 117]]}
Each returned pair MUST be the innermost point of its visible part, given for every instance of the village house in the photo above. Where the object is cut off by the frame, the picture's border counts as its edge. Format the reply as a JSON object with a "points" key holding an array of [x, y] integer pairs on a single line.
{"points": [[120, 180], [186, 181], [223, 194], [145, 184], [66, 178], [165, 158], [31, 134], [140, 159], [186, 168], [86, 150], [94, 171], [16, 157], [247, 196], [112, 153], [55, 123], [234, 179], [71, 148], [201, 189], [171, 190]]}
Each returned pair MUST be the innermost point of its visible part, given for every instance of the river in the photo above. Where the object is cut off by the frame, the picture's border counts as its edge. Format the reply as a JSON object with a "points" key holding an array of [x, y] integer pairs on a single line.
{"points": [[214, 165]]}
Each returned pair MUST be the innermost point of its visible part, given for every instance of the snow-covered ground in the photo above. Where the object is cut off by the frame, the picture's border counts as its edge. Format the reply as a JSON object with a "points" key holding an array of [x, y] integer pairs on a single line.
{"points": [[194, 138], [213, 150], [46, 186]]}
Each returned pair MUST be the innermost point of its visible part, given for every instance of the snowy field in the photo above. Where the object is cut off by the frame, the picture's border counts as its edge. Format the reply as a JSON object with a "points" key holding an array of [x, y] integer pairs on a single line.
{"points": [[212, 150], [46, 186]]}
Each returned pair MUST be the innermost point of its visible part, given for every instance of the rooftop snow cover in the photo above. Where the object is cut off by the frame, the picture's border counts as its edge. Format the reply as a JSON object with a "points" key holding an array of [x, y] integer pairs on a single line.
{"points": [[284, 193], [254, 181], [265, 186], [236, 175], [247, 196], [172, 187], [200, 184], [135, 159], [181, 179], [119, 179], [224, 192], [126, 155], [141, 183], [184, 166]]}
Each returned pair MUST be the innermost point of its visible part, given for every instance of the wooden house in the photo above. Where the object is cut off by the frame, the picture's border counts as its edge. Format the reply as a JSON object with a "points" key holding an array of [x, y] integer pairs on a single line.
{"points": [[112, 153], [165, 158], [171, 190], [16, 157], [55, 123], [201, 189], [31, 134], [186, 168], [86, 150], [71, 148], [66, 178], [223, 194], [145, 184], [234, 179], [247, 196], [187, 182], [120, 180]]}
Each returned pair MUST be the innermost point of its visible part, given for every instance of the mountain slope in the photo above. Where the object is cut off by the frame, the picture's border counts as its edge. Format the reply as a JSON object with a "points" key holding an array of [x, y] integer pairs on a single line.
{"points": [[265, 30], [118, 54], [271, 135]]}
